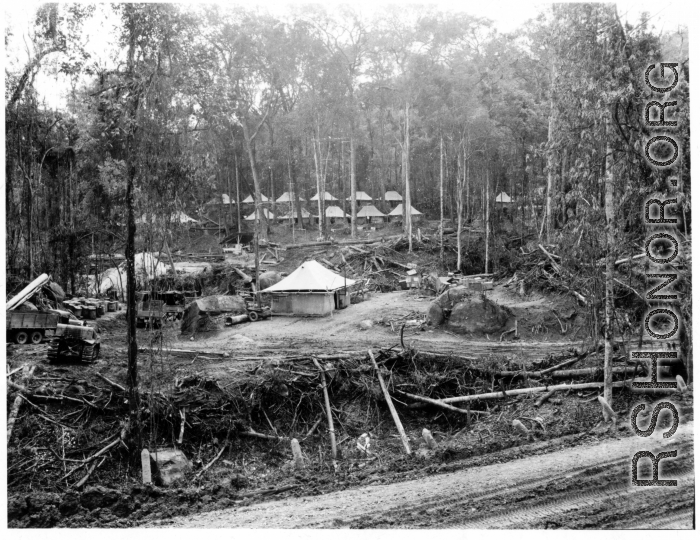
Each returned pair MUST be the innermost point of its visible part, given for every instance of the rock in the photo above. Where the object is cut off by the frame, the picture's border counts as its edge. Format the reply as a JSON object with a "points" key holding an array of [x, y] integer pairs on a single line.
{"points": [[477, 315], [70, 504], [268, 279], [98, 497], [239, 481], [436, 315], [169, 466], [366, 324], [124, 507], [16, 507], [453, 296]]}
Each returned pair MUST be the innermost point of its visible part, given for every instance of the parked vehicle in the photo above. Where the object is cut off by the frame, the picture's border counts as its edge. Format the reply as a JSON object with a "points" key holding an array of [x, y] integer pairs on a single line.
{"points": [[74, 343], [30, 326]]}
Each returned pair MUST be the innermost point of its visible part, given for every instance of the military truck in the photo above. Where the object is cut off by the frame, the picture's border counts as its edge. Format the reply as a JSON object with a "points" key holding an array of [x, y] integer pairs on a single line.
{"points": [[30, 326]]}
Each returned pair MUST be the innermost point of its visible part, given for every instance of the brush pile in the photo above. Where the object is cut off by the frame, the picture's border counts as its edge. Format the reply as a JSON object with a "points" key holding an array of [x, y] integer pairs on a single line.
{"points": [[69, 428]]}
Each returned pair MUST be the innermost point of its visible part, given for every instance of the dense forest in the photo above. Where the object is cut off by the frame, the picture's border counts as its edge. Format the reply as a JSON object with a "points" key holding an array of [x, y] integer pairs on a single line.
{"points": [[438, 106]]}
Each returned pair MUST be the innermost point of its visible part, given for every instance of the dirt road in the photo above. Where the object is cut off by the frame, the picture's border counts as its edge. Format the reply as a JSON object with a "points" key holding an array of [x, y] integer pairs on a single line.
{"points": [[586, 486]]}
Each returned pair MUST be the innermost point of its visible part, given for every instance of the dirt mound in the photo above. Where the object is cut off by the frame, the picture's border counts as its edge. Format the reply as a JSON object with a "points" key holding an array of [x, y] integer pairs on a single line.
{"points": [[464, 311]]}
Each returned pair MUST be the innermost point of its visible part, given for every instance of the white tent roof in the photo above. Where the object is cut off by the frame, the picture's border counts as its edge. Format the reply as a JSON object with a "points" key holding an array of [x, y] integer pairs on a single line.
{"points": [[304, 214], [503, 197], [370, 211], [177, 217], [285, 197], [250, 199], [311, 276], [326, 197], [266, 212], [360, 196], [225, 199], [335, 212], [398, 211], [393, 196]]}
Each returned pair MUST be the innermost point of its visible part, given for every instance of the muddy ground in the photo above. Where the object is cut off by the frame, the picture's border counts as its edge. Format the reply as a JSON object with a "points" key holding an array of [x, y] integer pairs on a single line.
{"points": [[254, 470]]}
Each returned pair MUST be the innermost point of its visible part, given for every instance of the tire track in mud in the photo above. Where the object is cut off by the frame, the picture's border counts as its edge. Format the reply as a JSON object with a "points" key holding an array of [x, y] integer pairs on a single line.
{"points": [[565, 484], [536, 515]]}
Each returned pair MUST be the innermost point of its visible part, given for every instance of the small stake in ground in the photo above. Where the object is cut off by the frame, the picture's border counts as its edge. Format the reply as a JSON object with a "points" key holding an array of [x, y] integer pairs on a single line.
{"points": [[429, 440], [145, 466], [394, 414], [680, 383], [608, 414], [296, 453]]}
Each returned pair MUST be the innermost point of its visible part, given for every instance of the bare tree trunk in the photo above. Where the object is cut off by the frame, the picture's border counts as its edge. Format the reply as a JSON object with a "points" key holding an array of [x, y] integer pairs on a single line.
{"points": [[321, 217], [238, 194], [486, 237], [353, 184], [442, 212], [258, 205], [407, 196], [609, 264], [132, 346]]}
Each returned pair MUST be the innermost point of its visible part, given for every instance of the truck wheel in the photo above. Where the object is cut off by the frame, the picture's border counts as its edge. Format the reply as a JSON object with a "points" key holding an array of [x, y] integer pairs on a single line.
{"points": [[21, 337], [253, 316], [37, 336]]}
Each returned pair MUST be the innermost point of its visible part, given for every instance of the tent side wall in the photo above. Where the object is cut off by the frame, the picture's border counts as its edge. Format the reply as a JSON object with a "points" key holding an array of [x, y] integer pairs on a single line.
{"points": [[313, 304]]}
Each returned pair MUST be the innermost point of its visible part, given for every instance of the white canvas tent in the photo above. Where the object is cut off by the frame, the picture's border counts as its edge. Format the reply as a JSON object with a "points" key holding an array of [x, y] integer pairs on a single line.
{"points": [[371, 214], [311, 289], [175, 217], [360, 196], [503, 198], [287, 197], [393, 196], [305, 214], [251, 200], [398, 211], [335, 212], [269, 215], [326, 197]]}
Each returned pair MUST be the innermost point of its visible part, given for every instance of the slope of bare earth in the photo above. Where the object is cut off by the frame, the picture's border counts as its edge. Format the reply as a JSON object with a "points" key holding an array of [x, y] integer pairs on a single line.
{"points": [[585, 486]]}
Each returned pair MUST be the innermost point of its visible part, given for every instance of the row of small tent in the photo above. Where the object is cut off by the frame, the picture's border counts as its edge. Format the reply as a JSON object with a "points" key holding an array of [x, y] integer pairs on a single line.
{"points": [[286, 197], [361, 196], [335, 212]]}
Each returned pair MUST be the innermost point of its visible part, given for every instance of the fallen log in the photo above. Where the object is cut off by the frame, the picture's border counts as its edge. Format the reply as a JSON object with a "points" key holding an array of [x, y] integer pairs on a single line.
{"points": [[437, 403], [544, 398], [110, 382], [257, 435], [392, 409], [208, 465], [270, 491], [17, 403], [533, 390], [246, 278]]}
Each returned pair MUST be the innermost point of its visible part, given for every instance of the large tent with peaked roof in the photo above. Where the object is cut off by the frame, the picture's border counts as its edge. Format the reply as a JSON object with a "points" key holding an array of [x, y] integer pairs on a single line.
{"points": [[397, 213], [370, 214], [287, 197], [305, 214], [251, 200], [360, 196], [269, 215], [311, 289], [393, 196], [503, 200], [326, 197], [335, 212]]}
